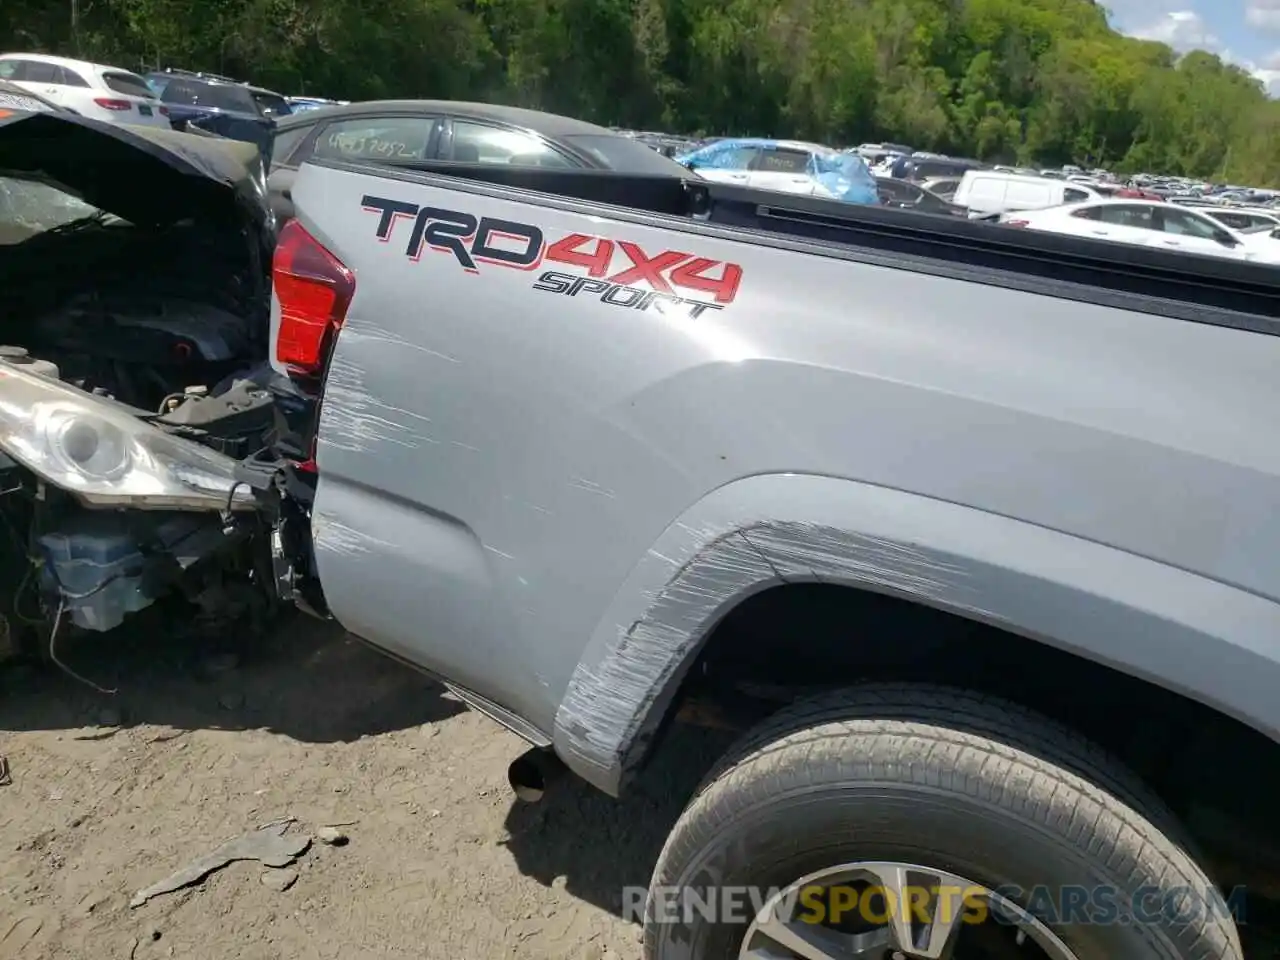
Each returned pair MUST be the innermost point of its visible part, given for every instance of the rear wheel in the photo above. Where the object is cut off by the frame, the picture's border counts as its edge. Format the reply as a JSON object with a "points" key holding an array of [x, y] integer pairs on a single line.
{"points": [[922, 823]]}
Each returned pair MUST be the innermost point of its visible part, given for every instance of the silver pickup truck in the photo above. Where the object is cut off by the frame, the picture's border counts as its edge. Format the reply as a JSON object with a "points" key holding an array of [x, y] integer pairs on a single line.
{"points": [[975, 533]]}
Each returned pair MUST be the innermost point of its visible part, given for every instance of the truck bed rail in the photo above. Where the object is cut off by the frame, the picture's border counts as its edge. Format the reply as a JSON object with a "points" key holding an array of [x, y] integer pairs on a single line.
{"points": [[1195, 288]]}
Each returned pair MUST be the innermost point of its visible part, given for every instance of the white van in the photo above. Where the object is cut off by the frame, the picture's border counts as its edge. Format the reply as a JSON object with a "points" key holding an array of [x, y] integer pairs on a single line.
{"points": [[986, 192]]}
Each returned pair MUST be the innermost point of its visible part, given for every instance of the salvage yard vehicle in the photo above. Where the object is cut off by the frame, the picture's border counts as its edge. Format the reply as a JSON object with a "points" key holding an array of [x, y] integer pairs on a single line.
{"points": [[997, 192], [788, 166], [973, 530], [133, 320], [413, 131], [904, 195], [1146, 223], [220, 105], [14, 97], [94, 90]]}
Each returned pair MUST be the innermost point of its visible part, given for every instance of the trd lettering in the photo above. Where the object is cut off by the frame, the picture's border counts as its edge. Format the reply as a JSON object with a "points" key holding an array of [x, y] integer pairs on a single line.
{"points": [[492, 229], [620, 272], [444, 230]]}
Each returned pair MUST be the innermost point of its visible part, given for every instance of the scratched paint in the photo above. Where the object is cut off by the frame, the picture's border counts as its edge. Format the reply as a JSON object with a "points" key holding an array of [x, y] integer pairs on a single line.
{"points": [[612, 707], [366, 330], [333, 536], [355, 420], [590, 486]]}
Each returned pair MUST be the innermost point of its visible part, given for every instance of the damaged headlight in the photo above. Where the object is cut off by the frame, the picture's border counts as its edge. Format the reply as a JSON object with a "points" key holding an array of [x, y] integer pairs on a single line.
{"points": [[101, 453]]}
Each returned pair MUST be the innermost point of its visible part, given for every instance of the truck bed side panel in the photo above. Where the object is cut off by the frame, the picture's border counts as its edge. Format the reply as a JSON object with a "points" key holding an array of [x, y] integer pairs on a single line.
{"points": [[501, 443]]}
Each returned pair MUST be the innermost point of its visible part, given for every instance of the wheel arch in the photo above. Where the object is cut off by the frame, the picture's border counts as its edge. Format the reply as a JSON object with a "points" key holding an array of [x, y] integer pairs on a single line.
{"points": [[1200, 639]]}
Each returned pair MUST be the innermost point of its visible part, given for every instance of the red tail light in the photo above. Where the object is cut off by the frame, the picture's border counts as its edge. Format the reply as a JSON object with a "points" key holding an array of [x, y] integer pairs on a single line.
{"points": [[108, 104], [1016, 223], [314, 290], [164, 111]]}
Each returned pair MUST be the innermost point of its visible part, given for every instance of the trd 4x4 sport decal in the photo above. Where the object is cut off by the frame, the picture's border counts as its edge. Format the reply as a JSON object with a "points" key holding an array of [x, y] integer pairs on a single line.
{"points": [[606, 268]]}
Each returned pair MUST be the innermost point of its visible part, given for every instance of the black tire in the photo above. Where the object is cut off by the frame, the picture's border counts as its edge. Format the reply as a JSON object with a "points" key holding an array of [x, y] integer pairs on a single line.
{"points": [[946, 779]]}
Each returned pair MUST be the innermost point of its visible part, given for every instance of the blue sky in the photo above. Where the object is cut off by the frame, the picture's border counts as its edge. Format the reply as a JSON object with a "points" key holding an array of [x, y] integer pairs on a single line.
{"points": [[1244, 31]]}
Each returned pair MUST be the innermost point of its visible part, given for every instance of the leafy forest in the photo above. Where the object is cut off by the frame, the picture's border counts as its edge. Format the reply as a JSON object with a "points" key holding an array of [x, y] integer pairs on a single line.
{"points": [[1032, 81]]}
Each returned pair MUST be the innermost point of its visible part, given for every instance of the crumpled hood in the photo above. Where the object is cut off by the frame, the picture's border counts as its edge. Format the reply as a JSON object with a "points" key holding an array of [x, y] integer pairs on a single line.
{"points": [[148, 176]]}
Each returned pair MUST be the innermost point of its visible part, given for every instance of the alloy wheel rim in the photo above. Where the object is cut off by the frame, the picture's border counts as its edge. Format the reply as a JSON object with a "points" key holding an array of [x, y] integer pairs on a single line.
{"points": [[938, 903]]}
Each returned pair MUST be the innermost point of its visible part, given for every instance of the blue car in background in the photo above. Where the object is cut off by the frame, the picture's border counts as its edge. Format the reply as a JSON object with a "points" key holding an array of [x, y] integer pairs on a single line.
{"points": [[303, 104], [787, 166], [220, 105]]}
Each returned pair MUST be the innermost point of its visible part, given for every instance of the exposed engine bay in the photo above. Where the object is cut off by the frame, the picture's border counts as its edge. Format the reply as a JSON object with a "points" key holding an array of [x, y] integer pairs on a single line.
{"points": [[165, 320], [133, 381]]}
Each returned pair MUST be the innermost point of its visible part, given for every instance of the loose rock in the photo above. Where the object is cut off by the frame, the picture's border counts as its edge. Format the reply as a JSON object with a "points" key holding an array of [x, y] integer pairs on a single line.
{"points": [[332, 836], [279, 880]]}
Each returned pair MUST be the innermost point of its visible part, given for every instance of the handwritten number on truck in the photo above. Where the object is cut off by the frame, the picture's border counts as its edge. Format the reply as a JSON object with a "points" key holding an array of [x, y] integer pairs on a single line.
{"points": [[619, 273]]}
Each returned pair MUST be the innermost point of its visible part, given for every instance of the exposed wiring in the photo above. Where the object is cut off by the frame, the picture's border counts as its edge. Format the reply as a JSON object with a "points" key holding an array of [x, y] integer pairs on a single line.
{"points": [[18, 594], [231, 495], [53, 650], [67, 595]]}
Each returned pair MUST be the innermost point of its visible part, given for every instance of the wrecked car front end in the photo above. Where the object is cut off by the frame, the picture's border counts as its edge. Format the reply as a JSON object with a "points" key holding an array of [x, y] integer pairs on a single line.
{"points": [[134, 296]]}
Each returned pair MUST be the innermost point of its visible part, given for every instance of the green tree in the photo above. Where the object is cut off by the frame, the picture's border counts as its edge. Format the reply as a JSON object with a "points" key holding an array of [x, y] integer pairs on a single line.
{"points": [[1043, 81]]}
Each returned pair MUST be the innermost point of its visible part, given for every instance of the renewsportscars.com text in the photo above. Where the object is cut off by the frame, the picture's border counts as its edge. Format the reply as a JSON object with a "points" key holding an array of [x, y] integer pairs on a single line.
{"points": [[1101, 905]]}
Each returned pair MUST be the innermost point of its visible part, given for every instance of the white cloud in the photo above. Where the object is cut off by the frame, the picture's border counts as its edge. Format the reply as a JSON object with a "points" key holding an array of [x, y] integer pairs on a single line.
{"points": [[1264, 14], [1181, 29], [1268, 72], [1140, 11], [1186, 30]]}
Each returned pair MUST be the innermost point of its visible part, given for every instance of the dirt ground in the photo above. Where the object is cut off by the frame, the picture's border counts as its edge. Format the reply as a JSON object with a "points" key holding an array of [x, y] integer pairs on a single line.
{"points": [[112, 793]]}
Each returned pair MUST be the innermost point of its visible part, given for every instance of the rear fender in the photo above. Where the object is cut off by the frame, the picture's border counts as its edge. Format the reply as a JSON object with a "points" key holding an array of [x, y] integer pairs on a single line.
{"points": [[1197, 637]]}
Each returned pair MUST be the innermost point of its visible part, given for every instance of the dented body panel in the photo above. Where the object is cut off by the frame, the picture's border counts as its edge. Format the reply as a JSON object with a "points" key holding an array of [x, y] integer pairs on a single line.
{"points": [[547, 486]]}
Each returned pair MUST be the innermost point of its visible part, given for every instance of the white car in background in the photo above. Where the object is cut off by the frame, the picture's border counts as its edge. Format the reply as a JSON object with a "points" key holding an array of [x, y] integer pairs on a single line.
{"points": [[1147, 223], [988, 192], [1245, 220], [785, 166], [92, 90]]}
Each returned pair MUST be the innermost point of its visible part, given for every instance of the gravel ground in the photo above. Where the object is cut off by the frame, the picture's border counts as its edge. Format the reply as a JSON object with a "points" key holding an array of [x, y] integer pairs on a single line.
{"points": [[112, 793]]}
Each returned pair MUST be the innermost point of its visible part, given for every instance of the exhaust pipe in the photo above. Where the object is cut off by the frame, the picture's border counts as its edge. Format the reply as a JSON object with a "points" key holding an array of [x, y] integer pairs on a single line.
{"points": [[533, 772]]}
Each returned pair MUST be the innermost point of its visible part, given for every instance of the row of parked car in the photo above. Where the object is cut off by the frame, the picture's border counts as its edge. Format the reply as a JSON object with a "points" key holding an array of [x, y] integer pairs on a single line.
{"points": [[168, 98], [291, 131]]}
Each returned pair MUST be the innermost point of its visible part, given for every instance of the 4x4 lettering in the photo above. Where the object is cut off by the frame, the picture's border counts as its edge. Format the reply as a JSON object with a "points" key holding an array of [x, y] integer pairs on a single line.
{"points": [[444, 230], [693, 276], [491, 229], [648, 269], [569, 251]]}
